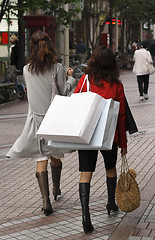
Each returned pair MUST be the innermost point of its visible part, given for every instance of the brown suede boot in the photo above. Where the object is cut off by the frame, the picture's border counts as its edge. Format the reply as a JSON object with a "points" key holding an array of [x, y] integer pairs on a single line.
{"points": [[42, 178], [56, 175]]}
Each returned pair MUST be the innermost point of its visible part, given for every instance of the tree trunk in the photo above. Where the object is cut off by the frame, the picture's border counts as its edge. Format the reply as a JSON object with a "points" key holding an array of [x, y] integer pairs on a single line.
{"points": [[149, 34], [21, 34], [110, 25]]}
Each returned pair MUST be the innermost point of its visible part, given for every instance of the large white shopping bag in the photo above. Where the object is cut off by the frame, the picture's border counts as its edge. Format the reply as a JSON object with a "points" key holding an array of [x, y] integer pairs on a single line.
{"points": [[72, 119], [103, 136]]}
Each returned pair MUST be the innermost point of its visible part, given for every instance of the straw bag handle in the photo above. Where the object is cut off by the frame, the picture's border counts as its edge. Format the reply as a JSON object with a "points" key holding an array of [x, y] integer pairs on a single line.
{"points": [[124, 165], [88, 84], [125, 178]]}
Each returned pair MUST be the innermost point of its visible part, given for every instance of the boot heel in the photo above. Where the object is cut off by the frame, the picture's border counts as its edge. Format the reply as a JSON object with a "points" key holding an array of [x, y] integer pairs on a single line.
{"points": [[88, 229], [108, 209], [56, 192], [87, 225], [111, 207], [47, 212]]}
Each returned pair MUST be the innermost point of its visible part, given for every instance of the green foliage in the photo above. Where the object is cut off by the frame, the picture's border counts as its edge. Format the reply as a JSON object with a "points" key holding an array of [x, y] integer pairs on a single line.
{"points": [[136, 10], [53, 7], [57, 9]]}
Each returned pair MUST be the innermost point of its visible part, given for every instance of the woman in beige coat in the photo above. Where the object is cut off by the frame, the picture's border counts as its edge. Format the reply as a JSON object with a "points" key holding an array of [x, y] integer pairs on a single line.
{"points": [[142, 58], [43, 77]]}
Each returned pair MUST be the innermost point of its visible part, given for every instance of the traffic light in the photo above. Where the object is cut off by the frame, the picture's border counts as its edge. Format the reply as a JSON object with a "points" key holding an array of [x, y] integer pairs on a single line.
{"points": [[4, 38], [113, 21]]}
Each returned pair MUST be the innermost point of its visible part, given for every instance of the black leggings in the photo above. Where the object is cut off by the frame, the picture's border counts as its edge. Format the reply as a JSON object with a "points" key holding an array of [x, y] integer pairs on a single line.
{"points": [[143, 83], [88, 159]]}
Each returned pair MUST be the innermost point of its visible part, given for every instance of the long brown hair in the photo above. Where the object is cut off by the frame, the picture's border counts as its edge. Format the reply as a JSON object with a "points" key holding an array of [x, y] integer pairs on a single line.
{"points": [[43, 54], [102, 65]]}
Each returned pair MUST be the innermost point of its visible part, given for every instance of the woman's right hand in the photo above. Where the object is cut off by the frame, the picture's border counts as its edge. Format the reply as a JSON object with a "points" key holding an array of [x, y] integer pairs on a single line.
{"points": [[70, 72]]}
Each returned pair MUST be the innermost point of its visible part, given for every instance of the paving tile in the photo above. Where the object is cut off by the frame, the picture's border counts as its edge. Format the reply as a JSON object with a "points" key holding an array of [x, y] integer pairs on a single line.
{"points": [[151, 226], [152, 234], [134, 238], [143, 225], [135, 232], [144, 232], [147, 238]]}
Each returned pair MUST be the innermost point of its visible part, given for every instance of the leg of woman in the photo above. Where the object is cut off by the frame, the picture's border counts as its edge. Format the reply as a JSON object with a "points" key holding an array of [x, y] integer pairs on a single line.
{"points": [[87, 164], [110, 159], [42, 177], [56, 167], [140, 86], [146, 86]]}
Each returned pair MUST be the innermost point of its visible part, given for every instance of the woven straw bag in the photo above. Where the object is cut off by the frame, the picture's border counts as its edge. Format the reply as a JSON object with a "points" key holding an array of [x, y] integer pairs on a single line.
{"points": [[127, 190]]}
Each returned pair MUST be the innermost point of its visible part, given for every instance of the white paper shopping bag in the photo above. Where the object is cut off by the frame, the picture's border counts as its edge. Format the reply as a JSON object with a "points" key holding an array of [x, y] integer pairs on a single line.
{"points": [[110, 126], [103, 136], [72, 119]]}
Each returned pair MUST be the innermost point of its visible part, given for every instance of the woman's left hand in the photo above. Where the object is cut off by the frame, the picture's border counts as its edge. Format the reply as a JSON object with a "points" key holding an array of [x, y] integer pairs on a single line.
{"points": [[70, 72], [123, 151]]}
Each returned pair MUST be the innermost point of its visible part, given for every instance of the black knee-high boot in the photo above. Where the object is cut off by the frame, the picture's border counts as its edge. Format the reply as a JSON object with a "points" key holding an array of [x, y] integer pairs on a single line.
{"points": [[111, 186], [84, 191], [56, 175]]}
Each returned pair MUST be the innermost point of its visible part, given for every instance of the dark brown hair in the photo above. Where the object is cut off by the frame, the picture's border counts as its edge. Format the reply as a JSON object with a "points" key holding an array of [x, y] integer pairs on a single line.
{"points": [[102, 65], [43, 54]]}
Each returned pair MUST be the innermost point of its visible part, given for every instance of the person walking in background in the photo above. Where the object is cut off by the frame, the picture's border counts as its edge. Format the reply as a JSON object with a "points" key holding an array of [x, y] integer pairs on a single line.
{"points": [[103, 76], [135, 44], [152, 51], [14, 51], [40, 74], [141, 59], [81, 51]]}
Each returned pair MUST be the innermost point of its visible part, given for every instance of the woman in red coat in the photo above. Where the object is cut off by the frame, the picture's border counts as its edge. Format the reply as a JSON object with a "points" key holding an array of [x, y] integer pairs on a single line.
{"points": [[103, 76]]}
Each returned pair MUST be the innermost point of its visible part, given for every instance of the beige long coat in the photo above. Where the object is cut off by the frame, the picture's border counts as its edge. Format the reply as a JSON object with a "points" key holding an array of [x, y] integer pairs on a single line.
{"points": [[40, 90]]}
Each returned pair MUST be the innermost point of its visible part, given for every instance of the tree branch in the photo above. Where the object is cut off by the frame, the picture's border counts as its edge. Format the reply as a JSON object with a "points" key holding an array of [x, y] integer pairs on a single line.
{"points": [[3, 8]]}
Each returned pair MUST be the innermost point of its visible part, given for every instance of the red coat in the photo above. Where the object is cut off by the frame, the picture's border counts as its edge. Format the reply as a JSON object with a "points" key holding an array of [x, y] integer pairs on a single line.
{"points": [[116, 92]]}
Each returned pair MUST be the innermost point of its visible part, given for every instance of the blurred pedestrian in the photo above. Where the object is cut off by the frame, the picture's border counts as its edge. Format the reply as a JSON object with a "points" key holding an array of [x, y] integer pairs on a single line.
{"points": [[135, 44], [14, 51], [104, 80], [141, 58], [41, 69], [81, 52], [152, 51]]}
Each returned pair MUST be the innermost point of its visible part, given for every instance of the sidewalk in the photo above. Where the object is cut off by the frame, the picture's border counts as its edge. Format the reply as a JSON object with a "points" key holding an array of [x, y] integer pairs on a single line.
{"points": [[20, 200]]}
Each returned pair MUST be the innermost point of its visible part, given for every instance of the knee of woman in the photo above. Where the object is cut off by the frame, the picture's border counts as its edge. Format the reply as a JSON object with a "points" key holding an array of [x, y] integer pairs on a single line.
{"points": [[55, 161], [86, 177], [111, 172]]}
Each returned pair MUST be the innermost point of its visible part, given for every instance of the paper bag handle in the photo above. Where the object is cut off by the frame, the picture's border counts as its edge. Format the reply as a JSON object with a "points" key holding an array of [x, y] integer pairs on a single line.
{"points": [[88, 84]]}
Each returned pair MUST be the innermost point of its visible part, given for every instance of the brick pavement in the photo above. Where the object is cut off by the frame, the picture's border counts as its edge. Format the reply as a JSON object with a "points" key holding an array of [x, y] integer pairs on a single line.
{"points": [[20, 200]]}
